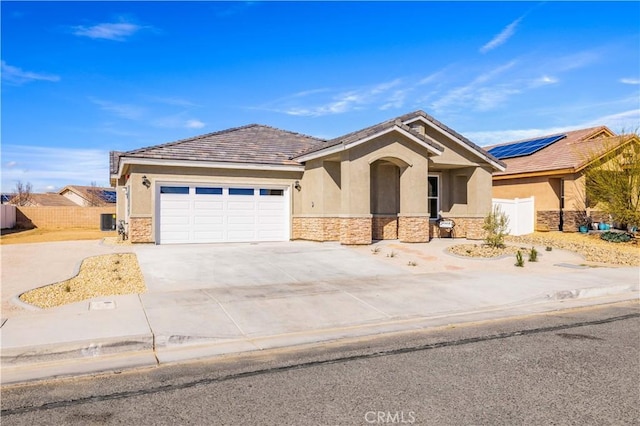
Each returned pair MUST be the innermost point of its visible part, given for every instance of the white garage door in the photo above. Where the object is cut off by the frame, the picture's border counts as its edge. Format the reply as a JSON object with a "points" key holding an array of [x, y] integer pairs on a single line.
{"points": [[212, 214]]}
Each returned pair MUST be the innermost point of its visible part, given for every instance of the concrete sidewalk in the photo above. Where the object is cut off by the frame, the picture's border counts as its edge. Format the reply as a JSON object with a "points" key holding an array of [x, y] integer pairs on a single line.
{"points": [[257, 297]]}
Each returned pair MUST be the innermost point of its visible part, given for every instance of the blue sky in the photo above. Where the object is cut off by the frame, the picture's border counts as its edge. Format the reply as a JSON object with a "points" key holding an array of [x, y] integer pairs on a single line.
{"points": [[82, 78]]}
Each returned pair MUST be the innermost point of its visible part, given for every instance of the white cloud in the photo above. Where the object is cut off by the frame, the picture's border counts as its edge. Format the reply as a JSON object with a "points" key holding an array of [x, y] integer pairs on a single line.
{"points": [[117, 31], [633, 81], [625, 121], [477, 94], [178, 121], [545, 79], [128, 111], [321, 102], [194, 124], [51, 167], [576, 61], [16, 75], [501, 38], [10, 164]]}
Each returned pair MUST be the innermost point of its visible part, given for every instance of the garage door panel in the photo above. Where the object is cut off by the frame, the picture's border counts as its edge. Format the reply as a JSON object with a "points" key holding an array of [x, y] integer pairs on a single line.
{"points": [[208, 220], [176, 236], [270, 206], [171, 221], [270, 220], [248, 205], [175, 204], [217, 214], [209, 236], [241, 220], [215, 206]]}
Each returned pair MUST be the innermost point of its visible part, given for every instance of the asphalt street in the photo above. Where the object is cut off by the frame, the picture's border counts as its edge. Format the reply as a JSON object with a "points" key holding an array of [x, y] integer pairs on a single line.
{"points": [[579, 366]]}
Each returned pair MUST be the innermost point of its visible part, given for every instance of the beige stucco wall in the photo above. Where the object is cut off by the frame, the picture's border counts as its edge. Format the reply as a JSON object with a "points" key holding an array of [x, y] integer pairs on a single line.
{"points": [[385, 188], [545, 189], [143, 199]]}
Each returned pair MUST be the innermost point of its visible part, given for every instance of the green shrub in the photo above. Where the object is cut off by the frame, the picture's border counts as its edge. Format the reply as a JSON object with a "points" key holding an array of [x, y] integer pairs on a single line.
{"points": [[495, 225], [533, 255], [615, 237], [519, 259]]}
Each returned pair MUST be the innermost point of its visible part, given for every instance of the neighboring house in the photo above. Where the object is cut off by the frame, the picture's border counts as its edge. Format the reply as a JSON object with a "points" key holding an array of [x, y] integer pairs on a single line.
{"points": [[551, 169], [393, 180], [48, 199], [89, 196]]}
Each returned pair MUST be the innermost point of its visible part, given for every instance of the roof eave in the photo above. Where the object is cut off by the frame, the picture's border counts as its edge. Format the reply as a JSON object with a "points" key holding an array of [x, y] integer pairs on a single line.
{"points": [[537, 173], [125, 161], [344, 147]]}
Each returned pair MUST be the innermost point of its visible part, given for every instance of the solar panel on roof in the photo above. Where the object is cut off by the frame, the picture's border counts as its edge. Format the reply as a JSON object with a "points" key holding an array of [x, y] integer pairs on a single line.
{"points": [[108, 196], [6, 198], [520, 149]]}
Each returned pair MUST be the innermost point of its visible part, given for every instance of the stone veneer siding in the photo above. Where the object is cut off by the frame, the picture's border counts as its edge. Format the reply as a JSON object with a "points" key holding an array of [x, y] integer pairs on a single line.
{"points": [[316, 228], [140, 230], [469, 228], [355, 230], [413, 229], [572, 219], [465, 227], [385, 227], [548, 220]]}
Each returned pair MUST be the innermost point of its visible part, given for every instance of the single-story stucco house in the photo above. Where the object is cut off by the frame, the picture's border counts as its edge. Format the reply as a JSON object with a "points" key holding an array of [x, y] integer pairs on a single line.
{"points": [[552, 169], [393, 180]]}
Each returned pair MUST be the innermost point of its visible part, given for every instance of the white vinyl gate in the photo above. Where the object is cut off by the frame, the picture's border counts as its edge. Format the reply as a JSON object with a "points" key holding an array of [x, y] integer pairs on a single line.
{"points": [[520, 212], [215, 213]]}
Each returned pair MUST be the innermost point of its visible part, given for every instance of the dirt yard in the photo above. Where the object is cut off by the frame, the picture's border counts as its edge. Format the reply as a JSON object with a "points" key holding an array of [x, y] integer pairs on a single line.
{"points": [[38, 235]]}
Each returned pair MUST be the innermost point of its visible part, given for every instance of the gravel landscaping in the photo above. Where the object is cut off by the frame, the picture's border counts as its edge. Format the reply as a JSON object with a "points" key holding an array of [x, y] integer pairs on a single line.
{"points": [[590, 246], [105, 275]]}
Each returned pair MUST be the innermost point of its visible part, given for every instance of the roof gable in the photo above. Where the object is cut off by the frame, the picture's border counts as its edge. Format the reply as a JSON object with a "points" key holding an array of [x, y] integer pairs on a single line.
{"points": [[361, 136]]}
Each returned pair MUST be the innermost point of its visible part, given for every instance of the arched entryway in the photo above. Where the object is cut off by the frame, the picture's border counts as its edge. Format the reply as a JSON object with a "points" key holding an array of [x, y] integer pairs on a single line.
{"points": [[385, 197]]}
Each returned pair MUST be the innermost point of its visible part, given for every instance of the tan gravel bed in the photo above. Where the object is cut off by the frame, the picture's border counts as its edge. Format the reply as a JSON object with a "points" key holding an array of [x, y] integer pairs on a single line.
{"points": [[484, 250], [590, 246], [105, 275]]}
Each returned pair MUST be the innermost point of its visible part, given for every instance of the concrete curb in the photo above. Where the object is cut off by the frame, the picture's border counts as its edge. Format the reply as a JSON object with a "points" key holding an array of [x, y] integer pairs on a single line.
{"points": [[20, 365]]}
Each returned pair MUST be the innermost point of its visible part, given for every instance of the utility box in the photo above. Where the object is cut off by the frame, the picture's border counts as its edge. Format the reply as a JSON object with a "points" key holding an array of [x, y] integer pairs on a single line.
{"points": [[107, 222]]}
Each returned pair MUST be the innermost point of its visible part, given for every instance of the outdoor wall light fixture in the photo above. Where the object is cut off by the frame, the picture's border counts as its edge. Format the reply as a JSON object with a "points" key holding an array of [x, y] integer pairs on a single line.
{"points": [[146, 182], [297, 186]]}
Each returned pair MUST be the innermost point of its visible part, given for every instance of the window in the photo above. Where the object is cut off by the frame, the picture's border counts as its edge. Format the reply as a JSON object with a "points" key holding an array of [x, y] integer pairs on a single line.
{"points": [[174, 189], [433, 196], [277, 192], [208, 191], [240, 191]]}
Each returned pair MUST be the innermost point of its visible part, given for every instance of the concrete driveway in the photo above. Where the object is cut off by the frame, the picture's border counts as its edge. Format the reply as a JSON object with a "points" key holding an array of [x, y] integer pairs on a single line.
{"points": [[210, 299], [197, 266]]}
